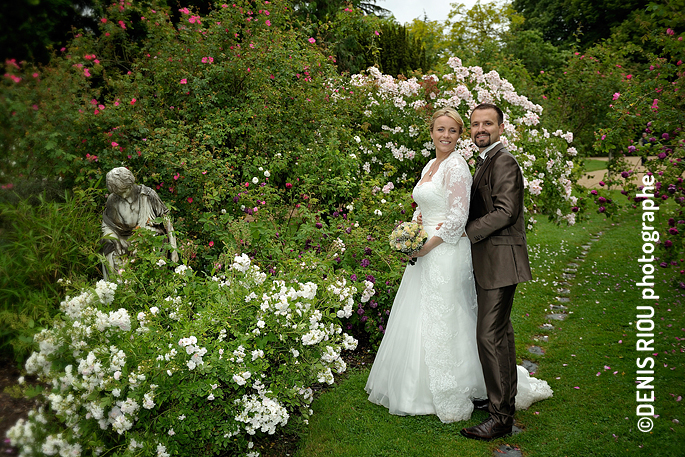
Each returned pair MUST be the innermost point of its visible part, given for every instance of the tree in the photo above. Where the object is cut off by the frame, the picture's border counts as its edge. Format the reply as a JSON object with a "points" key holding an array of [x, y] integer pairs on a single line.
{"points": [[637, 29], [359, 41], [576, 22], [325, 10], [432, 35], [481, 26], [400, 53], [351, 37], [31, 27], [537, 55], [578, 94], [652, 102]]}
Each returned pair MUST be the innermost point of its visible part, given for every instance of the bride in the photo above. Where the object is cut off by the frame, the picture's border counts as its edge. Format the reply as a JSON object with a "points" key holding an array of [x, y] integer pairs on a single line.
{"points": [[428, 361]]}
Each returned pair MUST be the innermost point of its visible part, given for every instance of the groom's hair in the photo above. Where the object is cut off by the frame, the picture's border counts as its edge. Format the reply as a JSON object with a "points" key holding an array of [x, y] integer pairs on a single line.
{"points": [[500, 114]]}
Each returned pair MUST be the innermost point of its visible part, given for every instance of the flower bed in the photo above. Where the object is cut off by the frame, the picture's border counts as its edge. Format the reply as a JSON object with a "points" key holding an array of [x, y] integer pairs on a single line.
{"points": [[166, 361]]}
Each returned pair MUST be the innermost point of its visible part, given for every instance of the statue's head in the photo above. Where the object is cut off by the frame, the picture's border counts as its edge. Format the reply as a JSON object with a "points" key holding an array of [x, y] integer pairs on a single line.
{"points": [[120, 181]]}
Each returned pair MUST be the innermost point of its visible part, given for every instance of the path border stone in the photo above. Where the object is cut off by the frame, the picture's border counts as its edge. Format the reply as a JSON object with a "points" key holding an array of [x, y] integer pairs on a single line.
{"points": [[506, 450]]}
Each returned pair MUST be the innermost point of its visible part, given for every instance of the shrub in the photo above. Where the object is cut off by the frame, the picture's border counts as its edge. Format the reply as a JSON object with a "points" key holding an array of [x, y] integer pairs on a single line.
{"points": [[169, 361], [651, 102], [395, 136]]}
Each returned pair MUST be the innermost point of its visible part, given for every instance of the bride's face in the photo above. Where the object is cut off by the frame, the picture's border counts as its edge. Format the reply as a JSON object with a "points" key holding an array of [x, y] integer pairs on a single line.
{"points": [[445, 134]]}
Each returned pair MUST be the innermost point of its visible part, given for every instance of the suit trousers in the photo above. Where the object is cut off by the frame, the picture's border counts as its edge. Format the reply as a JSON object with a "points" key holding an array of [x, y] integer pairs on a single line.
{"points": [[496, 350]]}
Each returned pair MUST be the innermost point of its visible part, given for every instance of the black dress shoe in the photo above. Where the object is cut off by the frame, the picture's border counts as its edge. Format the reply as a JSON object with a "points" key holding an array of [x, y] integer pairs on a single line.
{"points": [[481, 405], [488, 430]]}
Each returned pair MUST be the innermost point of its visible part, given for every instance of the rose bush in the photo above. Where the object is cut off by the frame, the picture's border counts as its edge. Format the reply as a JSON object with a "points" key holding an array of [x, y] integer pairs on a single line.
{"points": [[169, 361], [394, 141], [651, 102]]}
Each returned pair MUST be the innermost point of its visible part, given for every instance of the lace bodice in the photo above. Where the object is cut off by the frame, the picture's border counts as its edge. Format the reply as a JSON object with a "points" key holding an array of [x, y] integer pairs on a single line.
{"points": [[445, 198]]}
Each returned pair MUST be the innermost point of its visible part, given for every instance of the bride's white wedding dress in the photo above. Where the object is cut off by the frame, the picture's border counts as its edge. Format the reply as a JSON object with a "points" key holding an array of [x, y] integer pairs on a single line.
{"points": [[428, 360]]}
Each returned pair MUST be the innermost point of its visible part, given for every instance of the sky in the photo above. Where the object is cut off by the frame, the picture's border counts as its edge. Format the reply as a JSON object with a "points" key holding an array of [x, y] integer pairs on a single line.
{"points": [[406, 10]]}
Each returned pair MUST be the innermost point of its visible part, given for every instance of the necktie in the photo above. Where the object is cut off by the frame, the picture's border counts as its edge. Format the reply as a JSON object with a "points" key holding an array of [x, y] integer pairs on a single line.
{"points": [[479, 162]]}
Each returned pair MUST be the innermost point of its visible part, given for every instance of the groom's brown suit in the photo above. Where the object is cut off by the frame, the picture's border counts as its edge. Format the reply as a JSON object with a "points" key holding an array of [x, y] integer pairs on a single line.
{"points": [[496, 228]]}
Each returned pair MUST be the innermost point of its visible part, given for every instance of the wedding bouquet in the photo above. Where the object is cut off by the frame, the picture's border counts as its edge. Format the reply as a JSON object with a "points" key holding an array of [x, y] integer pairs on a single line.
{"points": [[408, 237]]}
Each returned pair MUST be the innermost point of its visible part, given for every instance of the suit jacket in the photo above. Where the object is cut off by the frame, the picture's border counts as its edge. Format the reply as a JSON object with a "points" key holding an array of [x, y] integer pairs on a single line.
{"points": [[496, 225]]}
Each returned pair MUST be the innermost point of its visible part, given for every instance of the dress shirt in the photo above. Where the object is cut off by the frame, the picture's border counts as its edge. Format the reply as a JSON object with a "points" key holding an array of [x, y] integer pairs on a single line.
{"points": [[484, 154]]}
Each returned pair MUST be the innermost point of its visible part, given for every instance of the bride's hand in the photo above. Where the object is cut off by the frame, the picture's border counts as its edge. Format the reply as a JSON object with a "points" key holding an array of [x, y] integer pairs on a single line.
{"points": [[430, 244], [420, 253]]}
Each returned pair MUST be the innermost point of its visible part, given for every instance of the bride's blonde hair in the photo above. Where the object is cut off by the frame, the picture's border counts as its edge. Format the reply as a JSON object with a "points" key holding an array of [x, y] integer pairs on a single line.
{"points": [[451, 113]]}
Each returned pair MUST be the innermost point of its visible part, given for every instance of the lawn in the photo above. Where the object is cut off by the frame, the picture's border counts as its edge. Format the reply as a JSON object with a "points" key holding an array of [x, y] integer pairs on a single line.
{"points": [[594, 165], [589, 360]]}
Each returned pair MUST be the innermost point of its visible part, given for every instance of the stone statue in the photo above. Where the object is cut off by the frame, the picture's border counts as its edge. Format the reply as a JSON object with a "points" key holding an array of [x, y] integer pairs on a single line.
{"points": [[129, 206]]}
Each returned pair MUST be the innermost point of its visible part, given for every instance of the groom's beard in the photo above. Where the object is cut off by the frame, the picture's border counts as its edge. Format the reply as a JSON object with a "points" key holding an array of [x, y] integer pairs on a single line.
{"points": [[483, 142]]}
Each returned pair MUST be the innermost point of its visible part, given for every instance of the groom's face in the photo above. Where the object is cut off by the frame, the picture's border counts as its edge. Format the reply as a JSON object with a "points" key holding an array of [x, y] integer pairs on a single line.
{"points": [[485, 129]]}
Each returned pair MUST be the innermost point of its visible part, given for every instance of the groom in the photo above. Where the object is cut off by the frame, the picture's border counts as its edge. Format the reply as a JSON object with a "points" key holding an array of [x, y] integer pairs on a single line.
{"points": [[496, 229]]}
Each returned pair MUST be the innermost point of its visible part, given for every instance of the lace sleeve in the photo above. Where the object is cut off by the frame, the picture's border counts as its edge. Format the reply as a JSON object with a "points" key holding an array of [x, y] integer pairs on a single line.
{"points": [[457, 183], [423, 172]]}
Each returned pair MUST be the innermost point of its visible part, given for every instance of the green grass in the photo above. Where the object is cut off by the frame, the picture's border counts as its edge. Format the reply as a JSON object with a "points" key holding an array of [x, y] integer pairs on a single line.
{"points": [[595, 419], [594, 165], [40, 243]]}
